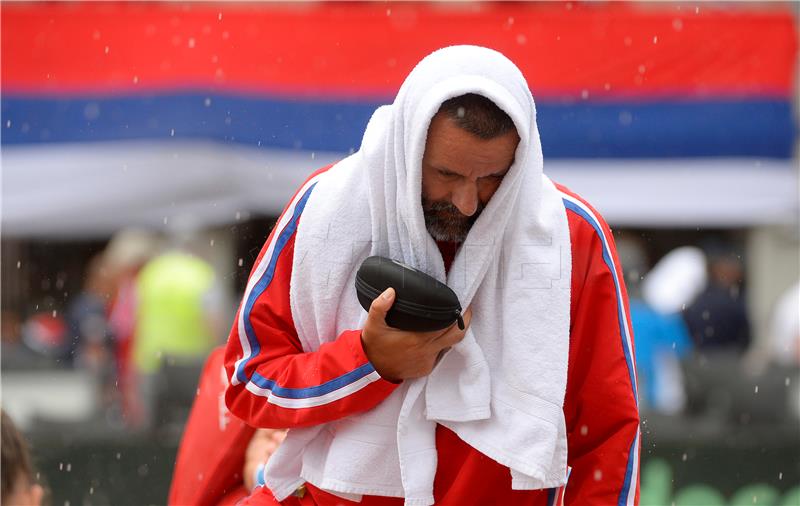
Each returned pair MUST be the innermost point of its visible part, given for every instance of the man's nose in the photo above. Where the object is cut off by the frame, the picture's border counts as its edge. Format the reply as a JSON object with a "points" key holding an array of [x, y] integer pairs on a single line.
{"points": [[465, 198]]}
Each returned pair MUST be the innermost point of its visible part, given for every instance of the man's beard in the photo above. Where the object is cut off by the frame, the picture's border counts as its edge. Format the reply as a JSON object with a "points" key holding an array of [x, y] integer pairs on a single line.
{"points": [[445, 222]]}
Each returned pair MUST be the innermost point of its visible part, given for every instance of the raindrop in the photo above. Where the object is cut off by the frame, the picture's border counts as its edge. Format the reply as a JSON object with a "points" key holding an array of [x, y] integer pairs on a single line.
{"points": [[207, 102], [756, 390], [8, 124], [172, 132], [510, 21], [785, 382], [241, 262], [607, 86], [388, 12], [19, 264], [69, 465], [191, 43], [60, 466], [135, 79], [780, 475], [91, 111], [677, 25], [684, 457], [655, 39], [642, 68], [697, 10], [219, 16], [55, 313], [521, 39], [238, 215], [165, 220], [461, 112], [598, 475], [585, 94], [106, 49], [313, 155], [584, 430], [674, 345], [91, 490], [211, 242]]}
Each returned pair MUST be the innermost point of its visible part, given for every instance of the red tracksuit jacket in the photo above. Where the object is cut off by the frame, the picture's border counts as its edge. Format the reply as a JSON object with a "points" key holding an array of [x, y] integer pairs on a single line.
{"points": [[600, 406]]}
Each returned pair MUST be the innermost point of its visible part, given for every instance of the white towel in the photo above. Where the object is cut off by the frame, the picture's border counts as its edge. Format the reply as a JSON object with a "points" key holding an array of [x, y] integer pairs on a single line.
{"points": [[502, 388]]}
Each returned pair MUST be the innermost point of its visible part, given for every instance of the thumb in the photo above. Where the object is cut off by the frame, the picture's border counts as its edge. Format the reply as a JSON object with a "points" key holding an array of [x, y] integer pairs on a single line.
{"points": [[382, 303]]}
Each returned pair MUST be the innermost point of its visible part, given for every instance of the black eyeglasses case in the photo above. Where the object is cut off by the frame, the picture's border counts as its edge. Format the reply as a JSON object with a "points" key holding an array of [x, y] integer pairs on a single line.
{"points": [[422, 303]]}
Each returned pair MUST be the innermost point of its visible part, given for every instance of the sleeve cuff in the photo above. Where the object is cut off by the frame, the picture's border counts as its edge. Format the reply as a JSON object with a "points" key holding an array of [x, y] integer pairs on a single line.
{"points": [[353, 340]]}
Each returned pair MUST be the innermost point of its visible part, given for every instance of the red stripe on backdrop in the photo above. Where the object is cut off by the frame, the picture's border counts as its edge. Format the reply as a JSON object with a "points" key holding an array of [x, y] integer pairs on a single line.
{"points": [[366, 49]]}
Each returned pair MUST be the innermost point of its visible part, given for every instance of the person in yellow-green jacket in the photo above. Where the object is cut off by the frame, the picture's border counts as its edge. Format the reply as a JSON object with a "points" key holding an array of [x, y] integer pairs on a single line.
{"points": [[177, 307]]}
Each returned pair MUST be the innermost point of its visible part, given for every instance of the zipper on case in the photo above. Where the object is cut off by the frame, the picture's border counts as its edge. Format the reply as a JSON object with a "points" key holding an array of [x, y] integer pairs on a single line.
{"points": [[417, 309]]}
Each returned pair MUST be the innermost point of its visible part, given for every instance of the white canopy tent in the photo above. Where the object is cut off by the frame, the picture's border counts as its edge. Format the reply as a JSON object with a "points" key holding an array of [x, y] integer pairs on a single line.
{"points": [[92, 190]]}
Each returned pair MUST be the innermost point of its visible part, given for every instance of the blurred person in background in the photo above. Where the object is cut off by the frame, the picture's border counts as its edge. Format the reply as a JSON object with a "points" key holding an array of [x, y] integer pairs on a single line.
{"points": [[124, 256], [177, 313], [18, 480], [717, 319], [91, 340], [662, 340]]}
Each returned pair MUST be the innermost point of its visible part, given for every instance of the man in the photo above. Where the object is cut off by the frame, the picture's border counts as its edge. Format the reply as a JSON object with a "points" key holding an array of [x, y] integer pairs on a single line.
{"points": [[448, 179]]}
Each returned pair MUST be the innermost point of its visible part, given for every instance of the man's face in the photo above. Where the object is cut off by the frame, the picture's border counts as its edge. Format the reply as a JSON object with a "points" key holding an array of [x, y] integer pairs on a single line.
{"points": [[460, 173]]}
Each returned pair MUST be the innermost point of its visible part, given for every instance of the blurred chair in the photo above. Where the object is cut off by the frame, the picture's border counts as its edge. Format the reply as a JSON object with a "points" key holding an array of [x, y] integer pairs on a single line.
{"points": [[699, 495], [792, 497], [760, 493]]}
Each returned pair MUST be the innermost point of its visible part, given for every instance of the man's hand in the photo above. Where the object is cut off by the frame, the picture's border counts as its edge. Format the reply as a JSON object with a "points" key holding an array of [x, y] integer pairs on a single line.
{"points": [[398, 354]]}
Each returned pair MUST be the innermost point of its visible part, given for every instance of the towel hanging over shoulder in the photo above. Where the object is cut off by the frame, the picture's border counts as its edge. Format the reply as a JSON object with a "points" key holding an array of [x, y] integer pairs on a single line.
{"points": [[502, 388]]}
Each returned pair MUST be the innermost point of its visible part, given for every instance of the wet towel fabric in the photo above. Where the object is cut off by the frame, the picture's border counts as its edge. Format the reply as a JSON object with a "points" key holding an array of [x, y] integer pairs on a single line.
{"points": [[502, 388]]}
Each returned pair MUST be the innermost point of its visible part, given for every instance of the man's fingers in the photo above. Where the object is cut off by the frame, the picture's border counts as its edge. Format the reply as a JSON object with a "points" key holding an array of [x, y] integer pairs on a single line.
{"points": [[453, 335], [467, 317], [382, 303]]}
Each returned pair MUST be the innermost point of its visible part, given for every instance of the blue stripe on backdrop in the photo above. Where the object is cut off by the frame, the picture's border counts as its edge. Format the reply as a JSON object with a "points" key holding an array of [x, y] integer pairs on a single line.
{"points": [[754, 128]]}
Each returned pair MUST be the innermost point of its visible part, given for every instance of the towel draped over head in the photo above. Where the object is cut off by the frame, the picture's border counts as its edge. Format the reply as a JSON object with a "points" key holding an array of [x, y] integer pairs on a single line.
{"points": [[502, 388]]}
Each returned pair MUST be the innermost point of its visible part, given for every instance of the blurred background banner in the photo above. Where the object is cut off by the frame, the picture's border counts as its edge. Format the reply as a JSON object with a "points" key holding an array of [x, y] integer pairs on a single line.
{"points": [[100, 98], [148, 148]]}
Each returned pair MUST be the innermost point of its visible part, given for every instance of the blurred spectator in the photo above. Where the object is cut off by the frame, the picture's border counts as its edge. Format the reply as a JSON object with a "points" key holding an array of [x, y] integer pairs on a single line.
{"points": [[19, 487], [717, 319], [124, 256], [87, 321], [177, 314], [661, 339], [91, 340]]}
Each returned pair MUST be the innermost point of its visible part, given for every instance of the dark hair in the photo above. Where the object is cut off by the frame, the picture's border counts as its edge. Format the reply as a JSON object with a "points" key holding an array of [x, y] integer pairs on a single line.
{"points": [[15, 458], [478, 115]]}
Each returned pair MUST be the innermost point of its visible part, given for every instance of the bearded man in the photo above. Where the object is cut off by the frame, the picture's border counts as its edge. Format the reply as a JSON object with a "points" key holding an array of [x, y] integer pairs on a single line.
{"points": [[532, 402]]}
